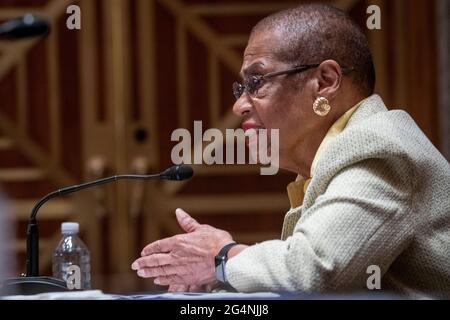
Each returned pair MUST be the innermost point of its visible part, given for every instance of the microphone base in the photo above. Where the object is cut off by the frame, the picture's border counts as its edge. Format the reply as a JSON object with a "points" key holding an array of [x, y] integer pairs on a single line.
{"points": [[31, 285]]}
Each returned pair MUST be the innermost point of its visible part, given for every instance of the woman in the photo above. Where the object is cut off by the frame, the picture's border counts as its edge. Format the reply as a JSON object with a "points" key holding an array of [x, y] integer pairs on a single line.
{"points": [[372, 191]]}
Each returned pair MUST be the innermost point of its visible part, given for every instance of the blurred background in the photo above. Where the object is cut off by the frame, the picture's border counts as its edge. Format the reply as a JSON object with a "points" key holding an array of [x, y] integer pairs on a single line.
{"points": [[84, 104]]}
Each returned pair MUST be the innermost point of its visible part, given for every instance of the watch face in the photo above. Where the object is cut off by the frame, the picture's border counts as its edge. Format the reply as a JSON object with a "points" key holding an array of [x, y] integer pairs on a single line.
{"points": [[218, 261], [220, 269]]}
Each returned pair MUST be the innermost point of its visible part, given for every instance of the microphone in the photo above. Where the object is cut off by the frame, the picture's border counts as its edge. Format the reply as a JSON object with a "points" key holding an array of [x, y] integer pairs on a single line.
{"points": [[178, 173], [32, 283], [25, 27]]}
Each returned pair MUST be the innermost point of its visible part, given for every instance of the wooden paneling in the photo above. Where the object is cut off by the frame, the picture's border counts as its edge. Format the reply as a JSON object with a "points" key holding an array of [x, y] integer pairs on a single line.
{"points": [[38, 96], [68, 64], [9, 95], [422, 66], [23, 3]]}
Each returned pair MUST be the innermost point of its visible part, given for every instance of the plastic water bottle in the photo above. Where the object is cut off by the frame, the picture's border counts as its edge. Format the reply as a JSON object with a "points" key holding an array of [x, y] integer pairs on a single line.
{"points": [[71, 258]]}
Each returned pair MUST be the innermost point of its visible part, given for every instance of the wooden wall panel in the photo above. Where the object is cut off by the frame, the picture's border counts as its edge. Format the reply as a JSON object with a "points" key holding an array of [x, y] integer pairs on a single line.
{"points": [[23, 3], [38, 96], [8, 95], [422, 66], [166, 79], [68, 61]]}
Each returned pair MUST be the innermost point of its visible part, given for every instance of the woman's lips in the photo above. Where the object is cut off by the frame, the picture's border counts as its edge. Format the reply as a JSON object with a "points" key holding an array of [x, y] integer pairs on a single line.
{"points": [[251, 136], [248, 125]]}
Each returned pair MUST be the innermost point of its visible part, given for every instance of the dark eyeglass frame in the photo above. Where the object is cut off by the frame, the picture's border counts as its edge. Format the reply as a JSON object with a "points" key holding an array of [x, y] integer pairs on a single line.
{"points": [[255, 82]]}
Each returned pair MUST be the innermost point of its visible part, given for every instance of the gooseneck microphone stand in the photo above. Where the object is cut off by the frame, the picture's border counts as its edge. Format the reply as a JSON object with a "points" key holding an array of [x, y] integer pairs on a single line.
{"points": [[32, 283]]}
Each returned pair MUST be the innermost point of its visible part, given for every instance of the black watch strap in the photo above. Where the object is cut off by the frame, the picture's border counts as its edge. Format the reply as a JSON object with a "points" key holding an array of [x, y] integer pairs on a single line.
{"points": [[220, 261], [224, 251]]}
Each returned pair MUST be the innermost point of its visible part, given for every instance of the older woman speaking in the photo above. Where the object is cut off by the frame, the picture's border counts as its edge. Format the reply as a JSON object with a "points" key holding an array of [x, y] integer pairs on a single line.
{"points": [[372, 193]]}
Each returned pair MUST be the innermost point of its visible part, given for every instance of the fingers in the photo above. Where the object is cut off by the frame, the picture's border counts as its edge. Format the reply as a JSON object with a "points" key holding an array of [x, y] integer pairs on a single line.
{"points": [[178, 288], [170, 280], [195, 288], [160, 246], [186, 222], [157, 265], [185, 288], [154, 260], [161, 271]]}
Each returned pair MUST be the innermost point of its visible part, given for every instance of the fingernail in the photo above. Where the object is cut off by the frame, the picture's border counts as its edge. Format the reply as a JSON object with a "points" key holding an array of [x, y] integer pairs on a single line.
{"points": [[141, 273], [179, 213], [134, 266]]}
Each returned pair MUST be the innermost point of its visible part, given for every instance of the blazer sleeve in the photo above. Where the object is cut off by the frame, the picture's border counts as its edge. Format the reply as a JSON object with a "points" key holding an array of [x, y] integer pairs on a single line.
{"points": [[364, 218]]}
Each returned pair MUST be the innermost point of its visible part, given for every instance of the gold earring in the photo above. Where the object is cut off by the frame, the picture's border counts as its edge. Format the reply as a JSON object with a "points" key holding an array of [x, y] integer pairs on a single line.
{"points": [[321, 106]]}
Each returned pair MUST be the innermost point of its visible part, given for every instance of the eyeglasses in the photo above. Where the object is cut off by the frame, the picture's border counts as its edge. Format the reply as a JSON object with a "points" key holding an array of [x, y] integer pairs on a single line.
{"points": [[255, 82]]}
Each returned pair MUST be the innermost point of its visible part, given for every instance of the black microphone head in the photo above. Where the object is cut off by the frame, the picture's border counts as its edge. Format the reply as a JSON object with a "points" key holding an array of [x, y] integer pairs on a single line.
{"points": [[178, 173], [24, 27]]}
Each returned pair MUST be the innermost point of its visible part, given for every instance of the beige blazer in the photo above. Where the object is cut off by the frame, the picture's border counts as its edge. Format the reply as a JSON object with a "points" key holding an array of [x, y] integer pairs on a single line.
{"points": [[380, 196]]}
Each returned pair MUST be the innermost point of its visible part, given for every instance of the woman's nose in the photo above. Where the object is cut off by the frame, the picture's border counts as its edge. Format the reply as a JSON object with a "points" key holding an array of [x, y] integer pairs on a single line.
{"points": [[242, 106]]}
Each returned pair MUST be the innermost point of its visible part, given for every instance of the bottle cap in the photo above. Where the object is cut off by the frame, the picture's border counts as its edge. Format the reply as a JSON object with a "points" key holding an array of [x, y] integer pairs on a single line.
{"points": [[70, 227]]}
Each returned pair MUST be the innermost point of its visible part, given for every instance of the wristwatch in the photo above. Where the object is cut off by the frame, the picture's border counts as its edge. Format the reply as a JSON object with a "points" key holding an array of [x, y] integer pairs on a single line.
{"points": [[221, 260]]}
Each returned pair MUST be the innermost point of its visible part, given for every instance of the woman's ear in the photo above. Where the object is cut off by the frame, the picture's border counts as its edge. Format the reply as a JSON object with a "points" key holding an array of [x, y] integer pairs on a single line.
{"points": [[329, 75]]}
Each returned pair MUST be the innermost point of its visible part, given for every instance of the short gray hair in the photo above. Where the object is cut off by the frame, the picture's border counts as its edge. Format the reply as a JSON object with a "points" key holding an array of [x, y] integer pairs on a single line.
{"points": [[313, 33]]}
